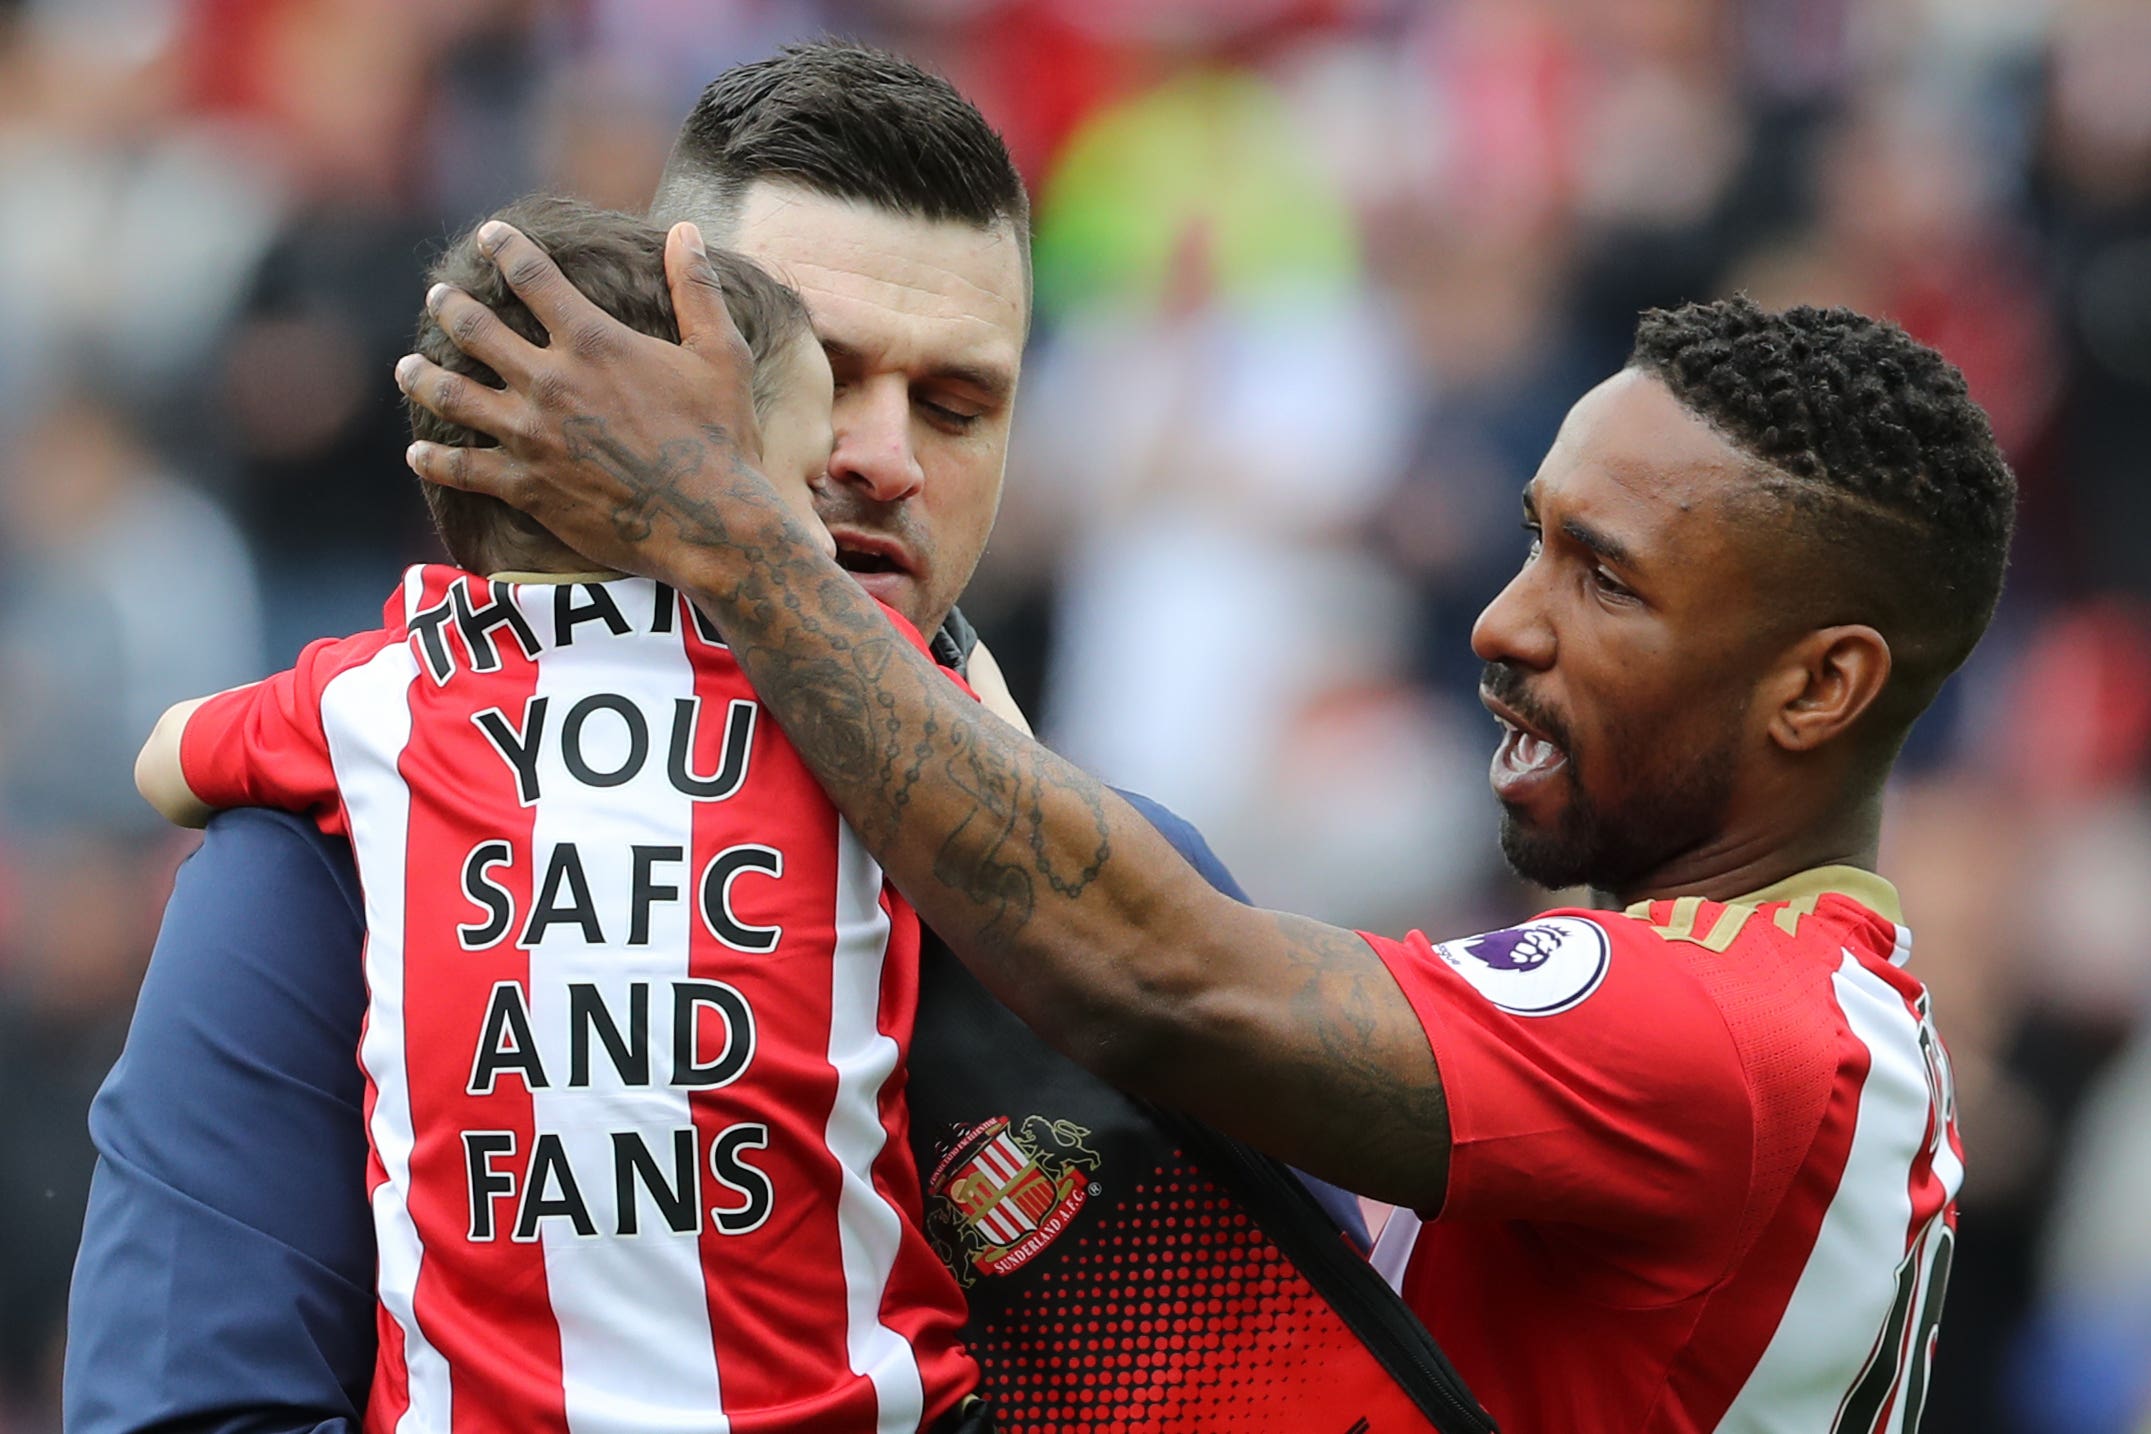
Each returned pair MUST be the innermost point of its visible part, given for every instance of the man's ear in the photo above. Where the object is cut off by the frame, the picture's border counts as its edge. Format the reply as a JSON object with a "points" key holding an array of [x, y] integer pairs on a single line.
{"points": [[1824, 683]]}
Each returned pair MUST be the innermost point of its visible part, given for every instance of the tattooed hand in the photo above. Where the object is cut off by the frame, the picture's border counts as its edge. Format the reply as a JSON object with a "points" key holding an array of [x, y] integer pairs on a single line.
{"points": [[640, 454], [1069, 906]]}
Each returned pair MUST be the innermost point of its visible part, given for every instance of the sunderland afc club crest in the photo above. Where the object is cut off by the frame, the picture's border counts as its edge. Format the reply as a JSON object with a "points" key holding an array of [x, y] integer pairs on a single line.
{"points": [[1001, 1194]]}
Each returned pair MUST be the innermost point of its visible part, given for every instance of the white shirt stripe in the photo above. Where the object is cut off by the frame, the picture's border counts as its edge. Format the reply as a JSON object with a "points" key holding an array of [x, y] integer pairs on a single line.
{"points": [[868, 1226], [1845, 1291], [643, 1363], [367, 718]]}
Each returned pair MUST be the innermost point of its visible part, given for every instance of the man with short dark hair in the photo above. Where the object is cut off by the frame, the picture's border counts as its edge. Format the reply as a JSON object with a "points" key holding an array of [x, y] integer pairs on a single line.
{"points": [[640, 1009], [226, 1275], [846, 122], [1686, 1164], [885, 198]]}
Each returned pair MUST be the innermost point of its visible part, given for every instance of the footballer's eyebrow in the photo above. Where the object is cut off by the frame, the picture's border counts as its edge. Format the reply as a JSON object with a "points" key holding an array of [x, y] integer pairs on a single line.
{"points": [[1612, 549], [1604, 544], [992, 384]]}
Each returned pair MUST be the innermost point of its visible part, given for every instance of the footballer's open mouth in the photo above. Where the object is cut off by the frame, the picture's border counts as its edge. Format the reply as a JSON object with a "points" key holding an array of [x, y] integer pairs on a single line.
{"points": [[1526, 759], [882, 565], [864, 553], [852, 560]]}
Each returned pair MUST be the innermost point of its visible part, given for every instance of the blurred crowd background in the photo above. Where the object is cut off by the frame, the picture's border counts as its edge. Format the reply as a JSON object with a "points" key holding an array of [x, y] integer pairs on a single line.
{"points": [[1317, 280]]}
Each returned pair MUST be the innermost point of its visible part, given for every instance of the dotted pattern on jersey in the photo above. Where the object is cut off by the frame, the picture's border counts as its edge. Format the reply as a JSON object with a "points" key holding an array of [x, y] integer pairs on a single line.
{"points": [[1172, 1312]]}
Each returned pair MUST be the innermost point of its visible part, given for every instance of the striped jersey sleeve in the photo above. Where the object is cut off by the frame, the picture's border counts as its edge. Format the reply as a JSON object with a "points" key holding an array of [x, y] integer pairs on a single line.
{"points": [[264, 745]]}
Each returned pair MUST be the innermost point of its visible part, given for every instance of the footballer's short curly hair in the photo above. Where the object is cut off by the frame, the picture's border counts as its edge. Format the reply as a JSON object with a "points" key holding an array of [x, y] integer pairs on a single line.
{"points": [[1888, 467]]}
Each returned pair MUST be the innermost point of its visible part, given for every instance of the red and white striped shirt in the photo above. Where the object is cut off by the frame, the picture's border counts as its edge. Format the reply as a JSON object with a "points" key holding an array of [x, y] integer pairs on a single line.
{"points": [[1705, 1165], [639, 1006]]}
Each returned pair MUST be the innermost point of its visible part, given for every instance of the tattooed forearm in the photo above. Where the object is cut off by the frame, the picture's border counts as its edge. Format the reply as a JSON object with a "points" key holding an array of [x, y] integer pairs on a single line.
{"points": [[1353, 1012], [914, 768], [901, 750], [1063, 900]]}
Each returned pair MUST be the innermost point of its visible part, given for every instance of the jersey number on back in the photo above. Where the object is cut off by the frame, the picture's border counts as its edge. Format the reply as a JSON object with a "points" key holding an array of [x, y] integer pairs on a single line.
{"points": [[1902, 1361]]}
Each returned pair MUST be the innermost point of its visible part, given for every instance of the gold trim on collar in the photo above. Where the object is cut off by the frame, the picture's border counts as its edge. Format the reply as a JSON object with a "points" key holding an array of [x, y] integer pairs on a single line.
{"points": [[1800, 891], [1808, 887]]}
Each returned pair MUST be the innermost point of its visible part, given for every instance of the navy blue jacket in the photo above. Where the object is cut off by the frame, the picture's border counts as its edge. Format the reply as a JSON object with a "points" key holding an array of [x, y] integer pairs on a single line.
{"points": [[226, 1275]]}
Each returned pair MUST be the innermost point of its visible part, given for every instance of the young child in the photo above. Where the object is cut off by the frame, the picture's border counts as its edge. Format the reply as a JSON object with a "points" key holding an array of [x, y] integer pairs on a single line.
{"points": [[639, 1002]]}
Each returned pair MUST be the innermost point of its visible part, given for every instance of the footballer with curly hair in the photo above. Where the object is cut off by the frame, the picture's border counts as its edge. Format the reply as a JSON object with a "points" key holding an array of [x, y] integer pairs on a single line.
{"points": [[1680, 1159]]}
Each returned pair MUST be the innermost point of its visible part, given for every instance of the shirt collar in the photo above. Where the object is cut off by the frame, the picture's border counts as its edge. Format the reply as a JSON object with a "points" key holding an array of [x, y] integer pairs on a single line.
{"points": [[1810, 886], [1865, 887]]}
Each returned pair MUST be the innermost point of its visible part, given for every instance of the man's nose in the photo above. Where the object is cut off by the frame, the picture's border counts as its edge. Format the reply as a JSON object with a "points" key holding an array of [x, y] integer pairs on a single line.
{"points": [[873, 451], [1514, 627]]}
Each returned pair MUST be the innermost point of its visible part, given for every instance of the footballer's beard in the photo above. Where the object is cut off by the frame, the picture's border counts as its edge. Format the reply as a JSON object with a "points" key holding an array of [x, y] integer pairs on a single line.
{"points": [[1671, 806]]}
